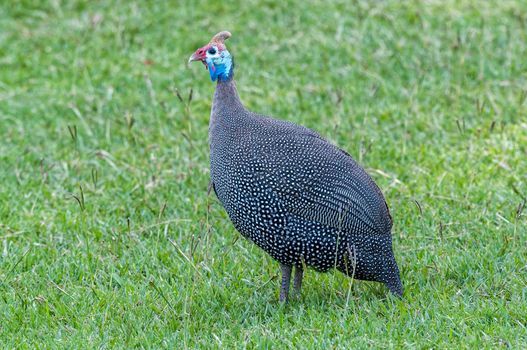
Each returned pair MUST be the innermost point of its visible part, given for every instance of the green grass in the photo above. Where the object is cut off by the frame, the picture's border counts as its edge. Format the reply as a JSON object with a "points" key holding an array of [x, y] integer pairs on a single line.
{"points": [[107, 235]]}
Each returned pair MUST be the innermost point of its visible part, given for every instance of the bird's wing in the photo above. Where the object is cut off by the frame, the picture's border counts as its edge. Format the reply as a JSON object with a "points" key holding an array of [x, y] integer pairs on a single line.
{"points": [[322, 183]]}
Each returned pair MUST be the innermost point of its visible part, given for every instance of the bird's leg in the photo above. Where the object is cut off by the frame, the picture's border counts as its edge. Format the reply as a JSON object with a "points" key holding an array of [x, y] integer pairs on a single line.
{"points": [[297, 284], [286, 281]]}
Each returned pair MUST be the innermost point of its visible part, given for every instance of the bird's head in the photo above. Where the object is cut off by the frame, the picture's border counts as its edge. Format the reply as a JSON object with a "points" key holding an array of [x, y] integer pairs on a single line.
{"points": [[215, 57]]}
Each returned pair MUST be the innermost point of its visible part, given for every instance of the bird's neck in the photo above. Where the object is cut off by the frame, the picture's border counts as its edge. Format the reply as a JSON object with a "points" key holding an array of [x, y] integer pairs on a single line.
{"points": [[226, 103], [226, 95], [228, 113]]}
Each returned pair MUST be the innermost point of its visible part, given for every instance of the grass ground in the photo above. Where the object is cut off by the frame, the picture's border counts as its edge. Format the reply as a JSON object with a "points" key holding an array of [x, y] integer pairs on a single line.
{"points": [[107, 235]]}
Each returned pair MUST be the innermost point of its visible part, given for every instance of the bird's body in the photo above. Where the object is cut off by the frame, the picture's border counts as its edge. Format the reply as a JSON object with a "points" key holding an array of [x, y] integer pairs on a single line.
{"points": [[298, 197]]}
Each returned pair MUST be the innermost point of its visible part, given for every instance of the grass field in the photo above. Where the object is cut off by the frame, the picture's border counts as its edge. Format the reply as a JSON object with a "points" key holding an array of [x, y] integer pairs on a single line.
{"points": [[107, 235]]}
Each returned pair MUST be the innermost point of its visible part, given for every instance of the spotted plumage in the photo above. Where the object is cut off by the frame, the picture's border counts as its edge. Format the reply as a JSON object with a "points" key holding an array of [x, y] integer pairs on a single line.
{"points": [[295, 195]]}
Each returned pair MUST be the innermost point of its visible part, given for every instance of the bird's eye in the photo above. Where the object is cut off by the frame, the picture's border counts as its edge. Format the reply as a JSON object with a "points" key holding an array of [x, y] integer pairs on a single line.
{"points": [[212, 51]]}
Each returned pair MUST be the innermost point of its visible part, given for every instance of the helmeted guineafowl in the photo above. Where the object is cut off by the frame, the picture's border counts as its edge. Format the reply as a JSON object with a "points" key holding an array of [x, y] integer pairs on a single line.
{"points": [[298, 197]]}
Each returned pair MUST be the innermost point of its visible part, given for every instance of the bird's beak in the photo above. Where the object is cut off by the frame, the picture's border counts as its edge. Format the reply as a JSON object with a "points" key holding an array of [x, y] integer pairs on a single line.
{"points": [[194, 57], [199, 55]]}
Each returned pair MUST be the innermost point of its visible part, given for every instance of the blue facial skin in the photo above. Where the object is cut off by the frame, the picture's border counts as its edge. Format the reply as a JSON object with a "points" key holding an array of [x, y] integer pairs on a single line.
{"points": [[220, 67]]}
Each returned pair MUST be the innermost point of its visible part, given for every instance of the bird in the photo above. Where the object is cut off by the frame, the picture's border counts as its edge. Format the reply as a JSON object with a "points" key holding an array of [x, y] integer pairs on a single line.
{"points": [[303, 200]]}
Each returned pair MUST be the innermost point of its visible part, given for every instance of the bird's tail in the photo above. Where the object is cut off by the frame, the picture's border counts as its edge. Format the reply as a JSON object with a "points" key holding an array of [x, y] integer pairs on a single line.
{"points": [[392, 277]]}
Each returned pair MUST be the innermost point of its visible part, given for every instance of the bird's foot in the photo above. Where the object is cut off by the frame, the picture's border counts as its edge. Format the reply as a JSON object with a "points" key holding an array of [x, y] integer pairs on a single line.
{"points": [[286, 281]]}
